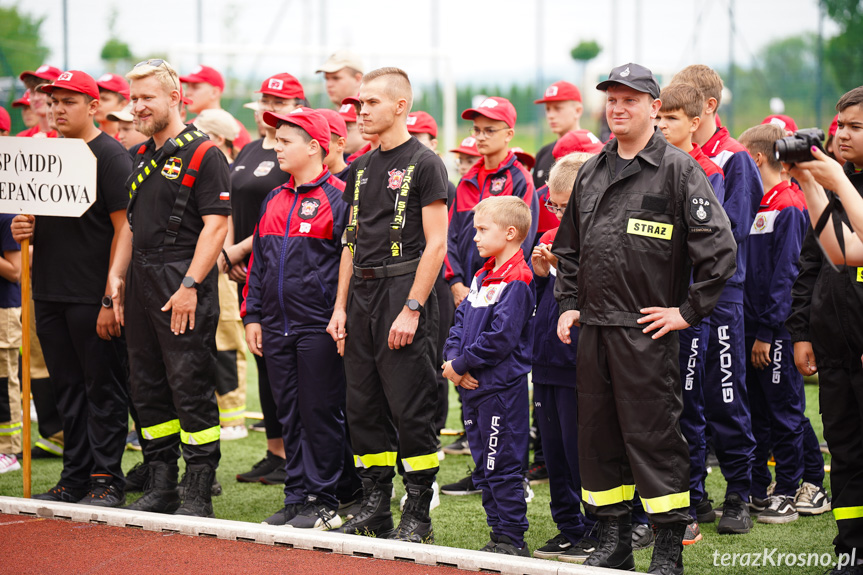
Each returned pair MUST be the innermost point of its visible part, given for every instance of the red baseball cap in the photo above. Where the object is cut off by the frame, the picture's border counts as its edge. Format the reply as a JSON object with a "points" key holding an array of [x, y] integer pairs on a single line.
{"points": [[834, 125], [205, 75], [352, 100], [282, 86], [421, 123], [785, 122], [468, 147], [348, 111], [23, 101], [527, 160], [336, 122], [576, 141], [5, 120], [76, 81], [560, 92], [312, 121], [43, 72], [114, 83], [493, 108]]}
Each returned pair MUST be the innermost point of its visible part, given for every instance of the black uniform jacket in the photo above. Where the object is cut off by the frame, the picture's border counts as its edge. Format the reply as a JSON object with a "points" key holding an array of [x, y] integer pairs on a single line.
{"points": [[632, 241]]}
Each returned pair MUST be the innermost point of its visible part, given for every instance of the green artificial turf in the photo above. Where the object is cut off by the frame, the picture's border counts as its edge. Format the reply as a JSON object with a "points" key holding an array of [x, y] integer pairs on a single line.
{"points": [[460, 521]]}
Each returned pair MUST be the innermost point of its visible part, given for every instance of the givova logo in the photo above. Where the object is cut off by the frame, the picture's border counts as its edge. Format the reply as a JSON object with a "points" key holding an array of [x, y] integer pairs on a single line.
{"points": [[492, 442]]}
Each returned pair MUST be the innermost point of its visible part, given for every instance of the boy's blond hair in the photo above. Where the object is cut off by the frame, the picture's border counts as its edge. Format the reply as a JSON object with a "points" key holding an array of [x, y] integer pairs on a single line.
{"points": [[702, 77], [164, 72], [684, 97], [761, 139], [562, 175], [506, 211]]}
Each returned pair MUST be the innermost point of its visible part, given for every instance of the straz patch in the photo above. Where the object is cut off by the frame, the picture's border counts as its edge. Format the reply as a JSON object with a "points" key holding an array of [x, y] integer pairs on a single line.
{"points": [[497, 185], [649, 229], [860, 275], [172, 168], [309, 208], [395, 181], [700, 209], [264, 168]]}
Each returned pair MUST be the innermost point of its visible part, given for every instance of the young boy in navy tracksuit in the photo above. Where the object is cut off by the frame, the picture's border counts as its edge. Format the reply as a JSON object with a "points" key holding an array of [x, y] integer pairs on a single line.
{"points": [[289, 298], [554, 398], [776, 395], [488, 354]]}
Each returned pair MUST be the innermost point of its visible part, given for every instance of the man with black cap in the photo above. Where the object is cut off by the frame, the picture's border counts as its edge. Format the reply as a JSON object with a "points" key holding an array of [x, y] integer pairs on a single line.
{"points": [[641, 221]]}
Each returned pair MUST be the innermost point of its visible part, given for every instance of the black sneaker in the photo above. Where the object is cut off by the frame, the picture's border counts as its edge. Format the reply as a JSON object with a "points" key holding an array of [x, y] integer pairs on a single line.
{"points": [[462, 487], [315, 515], [537, 474], [137, 478], [505, 546], [757, 505], [258, 426], [282, 516], [554, 547], [458, 447], [103, 494], [704, 511], [847, 570], [735, 516], [579, 552], [262, 468], [642, 536], [780, 510], [492, 543], [62, 494], [275, 477]]}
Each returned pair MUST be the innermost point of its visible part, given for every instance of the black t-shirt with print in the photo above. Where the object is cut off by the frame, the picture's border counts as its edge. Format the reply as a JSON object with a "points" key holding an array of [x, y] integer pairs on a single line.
{"points": [[379, 188], [255, 174], [71, 255]]}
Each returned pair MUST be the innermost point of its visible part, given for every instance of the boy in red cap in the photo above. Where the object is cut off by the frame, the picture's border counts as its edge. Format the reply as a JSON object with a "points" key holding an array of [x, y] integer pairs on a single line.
{"points": [[5, 122], [335, 160], [39, 101], [113, 97], [298, 237], [86, 364], [563, 109], [354, 140], [204, 87], [27, 115], [466, 155]]}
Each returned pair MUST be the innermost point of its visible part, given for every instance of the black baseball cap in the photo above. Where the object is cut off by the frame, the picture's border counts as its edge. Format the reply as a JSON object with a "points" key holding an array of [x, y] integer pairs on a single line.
{"points": [[635, 76]]}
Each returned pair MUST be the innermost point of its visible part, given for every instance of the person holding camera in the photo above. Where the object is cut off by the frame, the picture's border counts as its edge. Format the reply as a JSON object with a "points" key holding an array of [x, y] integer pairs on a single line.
{"points": [[825, 326]]}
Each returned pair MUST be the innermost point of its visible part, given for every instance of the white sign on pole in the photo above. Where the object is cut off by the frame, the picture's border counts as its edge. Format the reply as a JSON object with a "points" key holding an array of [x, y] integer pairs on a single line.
{"points": [[46, 176]]}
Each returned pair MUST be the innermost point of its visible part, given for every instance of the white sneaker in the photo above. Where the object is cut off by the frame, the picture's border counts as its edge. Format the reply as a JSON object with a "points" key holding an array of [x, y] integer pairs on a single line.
{"points": [[234, 432], [780, 510], [8, 463], [811, 500], [435, 500]]}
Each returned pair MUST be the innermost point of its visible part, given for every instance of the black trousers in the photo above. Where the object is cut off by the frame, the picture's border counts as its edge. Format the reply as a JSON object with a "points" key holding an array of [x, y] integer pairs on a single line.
{"points": [[89, 378], [629, 406], [446, 312], [391, 394], [841, 400], [173, 376]]}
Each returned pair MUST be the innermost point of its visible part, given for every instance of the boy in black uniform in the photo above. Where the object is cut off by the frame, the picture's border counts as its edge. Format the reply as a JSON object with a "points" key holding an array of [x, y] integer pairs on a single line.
{"points": [[640, 210], [386, 305], [179, 224]]}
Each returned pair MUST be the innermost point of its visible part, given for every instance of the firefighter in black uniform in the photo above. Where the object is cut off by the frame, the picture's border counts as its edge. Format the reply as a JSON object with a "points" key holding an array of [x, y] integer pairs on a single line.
{"points": [[385, 317], [642, 216], [178, 213]]}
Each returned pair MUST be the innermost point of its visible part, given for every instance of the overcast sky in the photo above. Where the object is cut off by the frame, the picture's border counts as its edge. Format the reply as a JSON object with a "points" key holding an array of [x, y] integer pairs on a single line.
{"points": [[480, 40]]}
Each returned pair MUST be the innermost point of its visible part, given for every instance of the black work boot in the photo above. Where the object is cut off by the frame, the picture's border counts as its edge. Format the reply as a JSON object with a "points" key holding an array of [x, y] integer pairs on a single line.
{"points": [[197, 500], [668, 550], [374, 517], [415, 525], [614, 550], [161, 494]]}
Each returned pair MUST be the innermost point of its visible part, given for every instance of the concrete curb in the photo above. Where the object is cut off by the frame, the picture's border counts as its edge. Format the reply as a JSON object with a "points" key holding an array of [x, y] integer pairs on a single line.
{"points": [[296, 538]]}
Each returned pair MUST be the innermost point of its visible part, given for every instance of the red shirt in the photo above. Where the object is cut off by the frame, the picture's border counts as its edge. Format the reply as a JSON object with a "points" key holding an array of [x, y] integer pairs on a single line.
{"points": [[34, 132]]}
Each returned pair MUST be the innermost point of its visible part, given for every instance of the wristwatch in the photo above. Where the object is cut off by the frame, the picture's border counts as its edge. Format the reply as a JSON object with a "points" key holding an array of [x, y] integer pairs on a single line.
{"points": [[107, 302], [413, 305], [189, 282]]}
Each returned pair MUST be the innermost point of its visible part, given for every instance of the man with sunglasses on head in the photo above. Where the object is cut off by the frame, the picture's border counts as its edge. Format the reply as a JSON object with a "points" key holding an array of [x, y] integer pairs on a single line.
{"points": [[178, 216]]}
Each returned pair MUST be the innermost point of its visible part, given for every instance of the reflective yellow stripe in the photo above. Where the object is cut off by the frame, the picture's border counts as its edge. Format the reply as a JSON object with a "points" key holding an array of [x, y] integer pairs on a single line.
{"points": [[666, 502], [10, 428], [189, 137], [384, 459], [841, 513], [161, 429], [609, 496], [232, 414], [49, 446], [421, 462], [201, 437]]}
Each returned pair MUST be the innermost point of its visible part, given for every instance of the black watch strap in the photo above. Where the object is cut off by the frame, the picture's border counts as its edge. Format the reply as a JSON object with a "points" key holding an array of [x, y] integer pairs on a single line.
{"points": [[107, 302]]}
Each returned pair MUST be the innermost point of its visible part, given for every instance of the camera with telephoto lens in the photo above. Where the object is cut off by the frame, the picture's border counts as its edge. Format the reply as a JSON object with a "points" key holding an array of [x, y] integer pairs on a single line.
{"points": [[798, 147]]}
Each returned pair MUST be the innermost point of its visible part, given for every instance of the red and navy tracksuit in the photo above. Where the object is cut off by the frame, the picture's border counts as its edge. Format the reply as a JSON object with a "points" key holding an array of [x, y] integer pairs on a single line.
{"points": [[693, 349], [510, 179], [776, 395], [726, 406], [492, 340], [290, 291], [555, 405]]}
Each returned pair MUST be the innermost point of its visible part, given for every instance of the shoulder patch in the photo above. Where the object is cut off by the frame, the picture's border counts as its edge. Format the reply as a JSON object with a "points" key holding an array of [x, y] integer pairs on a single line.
{"points": [[764, 222], [700, 209]]}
